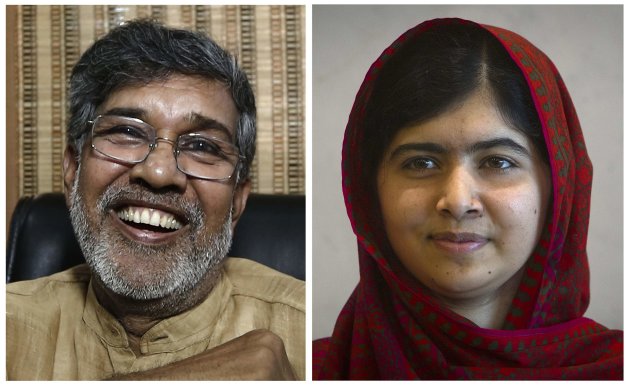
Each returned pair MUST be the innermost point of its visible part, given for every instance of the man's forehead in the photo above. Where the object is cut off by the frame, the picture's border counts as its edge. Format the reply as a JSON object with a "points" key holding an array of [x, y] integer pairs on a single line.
{"points": [[188, 100]]}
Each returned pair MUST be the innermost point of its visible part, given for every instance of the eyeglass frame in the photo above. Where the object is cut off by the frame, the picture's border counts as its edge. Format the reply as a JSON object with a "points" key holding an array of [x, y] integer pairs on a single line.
{"points": [[153, 146]]}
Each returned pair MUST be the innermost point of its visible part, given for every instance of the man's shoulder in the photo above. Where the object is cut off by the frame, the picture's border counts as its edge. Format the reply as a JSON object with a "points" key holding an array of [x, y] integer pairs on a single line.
{"points": [[252, 279], [73, 279]]}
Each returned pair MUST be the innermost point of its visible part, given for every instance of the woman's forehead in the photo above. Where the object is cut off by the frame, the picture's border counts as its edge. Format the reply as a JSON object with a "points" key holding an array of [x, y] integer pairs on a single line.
{"points": [[476, 119]]}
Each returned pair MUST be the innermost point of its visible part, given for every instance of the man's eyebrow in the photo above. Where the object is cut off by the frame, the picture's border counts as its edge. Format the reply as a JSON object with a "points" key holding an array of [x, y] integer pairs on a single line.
{"points": [[199, 122], [196, 120], [131, 112]]}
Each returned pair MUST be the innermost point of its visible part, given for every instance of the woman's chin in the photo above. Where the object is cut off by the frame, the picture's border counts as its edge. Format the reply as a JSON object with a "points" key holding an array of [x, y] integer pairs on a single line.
{"points": [[462, 287]]}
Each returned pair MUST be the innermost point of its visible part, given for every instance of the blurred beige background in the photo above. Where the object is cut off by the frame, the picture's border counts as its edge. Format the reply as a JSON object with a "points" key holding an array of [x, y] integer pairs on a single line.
{"points": [[585, 43]]}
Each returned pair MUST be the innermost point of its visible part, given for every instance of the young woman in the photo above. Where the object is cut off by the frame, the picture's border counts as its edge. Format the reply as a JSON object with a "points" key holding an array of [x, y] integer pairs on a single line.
{"points": [[467, 183]]}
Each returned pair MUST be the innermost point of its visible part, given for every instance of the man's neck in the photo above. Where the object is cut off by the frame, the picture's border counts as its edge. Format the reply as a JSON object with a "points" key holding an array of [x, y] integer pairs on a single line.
{"points": [[138, 316]]}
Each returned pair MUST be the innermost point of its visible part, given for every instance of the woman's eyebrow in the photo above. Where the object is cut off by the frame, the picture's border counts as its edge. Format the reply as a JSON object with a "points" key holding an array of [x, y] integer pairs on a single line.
{"points": [[435, 148], [428, 147], [499, 142]]}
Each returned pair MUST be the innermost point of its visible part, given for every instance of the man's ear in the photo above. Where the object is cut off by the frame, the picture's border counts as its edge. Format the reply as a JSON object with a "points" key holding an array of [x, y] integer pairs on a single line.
{"points": [[239, 200], [70, 165]]}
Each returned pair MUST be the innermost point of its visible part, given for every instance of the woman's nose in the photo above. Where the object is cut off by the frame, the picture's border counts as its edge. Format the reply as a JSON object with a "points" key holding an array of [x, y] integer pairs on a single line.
{"points": [[459, 197], [159, 169]]}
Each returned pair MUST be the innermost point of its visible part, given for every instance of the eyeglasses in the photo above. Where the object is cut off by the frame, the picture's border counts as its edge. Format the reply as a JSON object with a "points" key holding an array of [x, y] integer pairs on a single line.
{"points": [[130, 140]]}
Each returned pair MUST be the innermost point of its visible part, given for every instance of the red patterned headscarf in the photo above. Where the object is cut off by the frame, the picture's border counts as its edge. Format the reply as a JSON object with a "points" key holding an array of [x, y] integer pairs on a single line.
{"points": [[390, 328]]}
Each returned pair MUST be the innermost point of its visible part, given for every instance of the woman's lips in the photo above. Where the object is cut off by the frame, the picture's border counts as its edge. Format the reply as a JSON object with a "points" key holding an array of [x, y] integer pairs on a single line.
{"points": [[458, 242]]}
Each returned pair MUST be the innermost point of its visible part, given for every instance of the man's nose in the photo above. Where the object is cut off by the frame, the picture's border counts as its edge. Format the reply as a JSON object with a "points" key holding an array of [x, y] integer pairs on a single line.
{"points": [[459, 196], [159, 169]]}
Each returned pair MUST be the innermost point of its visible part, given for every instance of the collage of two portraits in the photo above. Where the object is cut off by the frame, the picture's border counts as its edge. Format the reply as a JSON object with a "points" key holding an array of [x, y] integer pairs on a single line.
{"points": [[314, 192]]}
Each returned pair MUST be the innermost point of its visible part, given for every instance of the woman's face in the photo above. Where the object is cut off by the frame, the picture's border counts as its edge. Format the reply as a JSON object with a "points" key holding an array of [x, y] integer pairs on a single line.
{"points": [[464, 198]]}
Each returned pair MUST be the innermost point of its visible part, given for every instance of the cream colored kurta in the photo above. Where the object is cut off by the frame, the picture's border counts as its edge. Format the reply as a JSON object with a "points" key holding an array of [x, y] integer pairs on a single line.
{"points": [[56, 329]]}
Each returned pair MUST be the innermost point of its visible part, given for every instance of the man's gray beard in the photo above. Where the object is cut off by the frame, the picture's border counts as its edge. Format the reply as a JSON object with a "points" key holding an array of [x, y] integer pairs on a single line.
{"points": [[192, 257]]}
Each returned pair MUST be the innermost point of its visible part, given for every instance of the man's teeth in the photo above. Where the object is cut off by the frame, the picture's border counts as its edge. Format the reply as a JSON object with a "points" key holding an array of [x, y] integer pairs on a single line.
{"points": [[149, 216]]}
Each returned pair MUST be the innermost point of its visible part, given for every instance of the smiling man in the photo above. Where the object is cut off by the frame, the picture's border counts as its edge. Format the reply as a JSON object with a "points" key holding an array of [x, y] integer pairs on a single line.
{"points": [[160, 139]]}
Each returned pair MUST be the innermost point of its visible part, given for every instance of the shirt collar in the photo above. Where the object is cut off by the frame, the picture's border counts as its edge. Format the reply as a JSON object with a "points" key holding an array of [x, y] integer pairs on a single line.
{"points": [[171, 334]]}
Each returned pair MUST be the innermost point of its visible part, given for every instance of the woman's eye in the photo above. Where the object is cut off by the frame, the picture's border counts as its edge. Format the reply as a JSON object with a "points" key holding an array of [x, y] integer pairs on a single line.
{"points": [[420, 164], [498, 163]]}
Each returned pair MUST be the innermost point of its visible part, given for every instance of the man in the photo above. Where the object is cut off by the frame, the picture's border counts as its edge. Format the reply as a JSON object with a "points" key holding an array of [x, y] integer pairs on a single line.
{"points": [[161, 135]]}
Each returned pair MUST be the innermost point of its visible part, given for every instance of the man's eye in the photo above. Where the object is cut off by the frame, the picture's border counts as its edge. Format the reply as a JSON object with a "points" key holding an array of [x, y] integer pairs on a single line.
{"points": [[123, 133], [127, 130], [202, 147]]}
